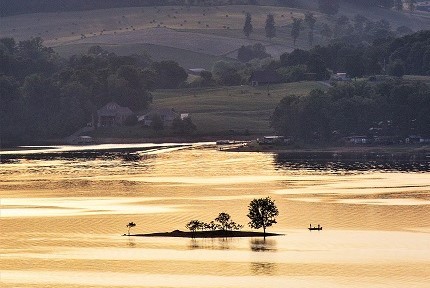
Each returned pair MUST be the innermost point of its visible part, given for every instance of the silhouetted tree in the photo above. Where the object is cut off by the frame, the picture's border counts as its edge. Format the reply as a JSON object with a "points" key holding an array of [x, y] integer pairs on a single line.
{"points": [[270, 26], [194, 225], [247, 27], [310, 21], [262, 213], [295, 29], [129, 226], [223, 219]]}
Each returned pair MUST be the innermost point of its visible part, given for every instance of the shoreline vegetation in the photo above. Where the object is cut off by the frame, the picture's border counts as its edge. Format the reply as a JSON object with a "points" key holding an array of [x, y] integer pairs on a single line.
{"points": [[207, 234]]}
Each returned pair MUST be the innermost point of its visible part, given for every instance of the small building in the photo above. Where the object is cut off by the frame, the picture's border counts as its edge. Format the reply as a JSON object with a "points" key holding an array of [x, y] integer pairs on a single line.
{"points": [[82, 140], [358, 139], [340, 77], [265, 77], [167, 115], [275, 139], [112, 114], [415, 139], [196, 71]]}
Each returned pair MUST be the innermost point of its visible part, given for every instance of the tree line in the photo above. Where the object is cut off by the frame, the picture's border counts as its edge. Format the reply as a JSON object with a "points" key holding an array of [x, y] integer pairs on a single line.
{"points": [[409, 55], [43, 95], [394, 108]]}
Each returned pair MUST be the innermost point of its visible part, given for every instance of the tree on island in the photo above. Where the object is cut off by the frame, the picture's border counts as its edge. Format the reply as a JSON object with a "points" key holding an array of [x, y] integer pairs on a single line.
{"points": [[262, 213], [247, 27], [129, 226], [226, 223], [194, 225]]}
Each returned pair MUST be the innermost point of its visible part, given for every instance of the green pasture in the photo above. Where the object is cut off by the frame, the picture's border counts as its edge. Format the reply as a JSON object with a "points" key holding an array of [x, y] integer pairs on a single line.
{"points": [[223, 109]]}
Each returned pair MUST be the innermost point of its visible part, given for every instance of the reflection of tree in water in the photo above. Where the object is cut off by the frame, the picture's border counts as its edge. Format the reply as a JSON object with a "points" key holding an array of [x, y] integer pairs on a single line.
{"points": [[210, 243], [131, 242], [263, 268], [261, 245]]}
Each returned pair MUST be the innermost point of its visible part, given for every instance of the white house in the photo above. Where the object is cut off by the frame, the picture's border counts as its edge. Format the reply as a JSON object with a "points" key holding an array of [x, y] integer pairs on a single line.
{"points": [[340, 77], [166, 115], [112, 114]]}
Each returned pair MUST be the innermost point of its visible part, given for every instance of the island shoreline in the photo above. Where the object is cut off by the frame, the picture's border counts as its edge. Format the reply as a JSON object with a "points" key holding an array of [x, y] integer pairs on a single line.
{"points": [[207, 234]]}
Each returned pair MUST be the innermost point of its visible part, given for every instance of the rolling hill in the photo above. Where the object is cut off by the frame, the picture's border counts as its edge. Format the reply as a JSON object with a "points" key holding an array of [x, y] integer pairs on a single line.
{"points": [[193, 36]]}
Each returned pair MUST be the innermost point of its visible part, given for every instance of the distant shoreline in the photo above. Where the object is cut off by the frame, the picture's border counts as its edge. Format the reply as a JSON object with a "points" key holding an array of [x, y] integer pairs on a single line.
{"points": [[383, 149], [206, 234]]}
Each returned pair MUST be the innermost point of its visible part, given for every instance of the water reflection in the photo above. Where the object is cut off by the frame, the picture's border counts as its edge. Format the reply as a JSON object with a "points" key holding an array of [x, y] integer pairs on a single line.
{"points": [[327, 161], [262, 245], [263, 268], [131, 242], [211, 243]]}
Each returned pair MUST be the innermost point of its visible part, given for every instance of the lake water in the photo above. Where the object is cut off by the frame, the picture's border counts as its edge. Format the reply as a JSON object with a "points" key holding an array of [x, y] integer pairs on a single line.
{"points": [[62, 217]]}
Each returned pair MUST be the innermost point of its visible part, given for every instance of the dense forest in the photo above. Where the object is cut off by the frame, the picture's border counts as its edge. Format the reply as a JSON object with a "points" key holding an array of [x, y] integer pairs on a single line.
{"points": [[394, 56], [43, 95], [394, 109], [409, 54]]}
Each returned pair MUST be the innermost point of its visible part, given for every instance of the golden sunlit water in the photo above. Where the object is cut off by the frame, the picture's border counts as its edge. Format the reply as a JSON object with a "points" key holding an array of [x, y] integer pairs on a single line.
{"points": [[62, 221]]}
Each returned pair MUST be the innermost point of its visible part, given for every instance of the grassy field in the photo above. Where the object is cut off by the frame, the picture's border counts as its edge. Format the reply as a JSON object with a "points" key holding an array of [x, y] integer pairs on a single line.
{"points": [[219, 111], [240, 108]]}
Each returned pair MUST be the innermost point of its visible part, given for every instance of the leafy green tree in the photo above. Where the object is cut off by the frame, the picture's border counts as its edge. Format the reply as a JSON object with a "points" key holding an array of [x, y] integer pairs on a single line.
{"points": [[183, 126], [270, 26], [295, 29], [226, 73], [396, 68], [398, 4], [157, 123], [326, 32], [247, 27], [169, 74], [330, 7], [310, 20], [129, 226], [359, 23], [262, 213], [256, 51]]}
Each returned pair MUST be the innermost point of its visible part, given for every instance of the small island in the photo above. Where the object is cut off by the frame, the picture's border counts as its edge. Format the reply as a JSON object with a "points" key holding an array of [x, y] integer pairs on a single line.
{"points": [[207, 234], [262, 213]]}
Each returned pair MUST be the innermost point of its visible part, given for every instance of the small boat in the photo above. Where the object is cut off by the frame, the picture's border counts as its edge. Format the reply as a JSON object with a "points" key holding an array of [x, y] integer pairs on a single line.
{"points": [[319, 228]]}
